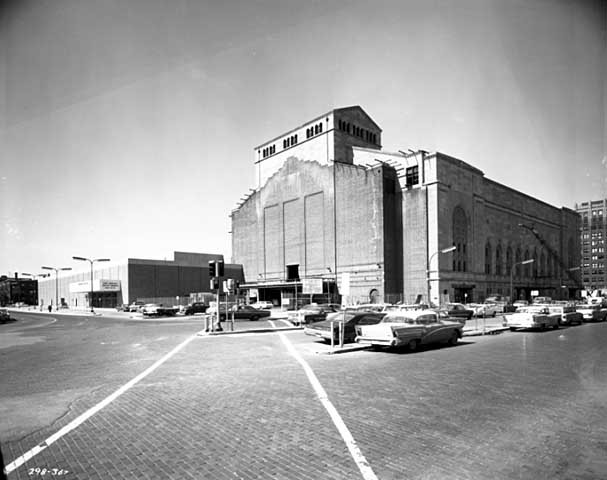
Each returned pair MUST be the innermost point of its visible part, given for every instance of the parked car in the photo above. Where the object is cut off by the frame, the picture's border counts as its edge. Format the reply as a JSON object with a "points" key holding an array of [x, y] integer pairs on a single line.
{"points": [[566, 314], [458, 310], [406, 307], [136, 306], [348, 319], [411, 329], [601, 301], [592, 312], [150, 309], [484, 309], [263, 305], [196, 307], [371, 307], [4, 315], [240, 312], [122, 308], [312, 313], [532, 317], [500, 303], [157, 310], [520, 304]]}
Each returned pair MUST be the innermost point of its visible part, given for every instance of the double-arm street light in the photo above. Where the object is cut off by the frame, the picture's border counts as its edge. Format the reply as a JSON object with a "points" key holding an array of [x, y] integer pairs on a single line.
{"points": [[444, 250], [91, 261], [56, 282], [524, 262]]}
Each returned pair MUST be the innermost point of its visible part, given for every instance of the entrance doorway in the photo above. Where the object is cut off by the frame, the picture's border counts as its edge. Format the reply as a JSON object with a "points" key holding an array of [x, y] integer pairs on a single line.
{"points": [[463, 294]]}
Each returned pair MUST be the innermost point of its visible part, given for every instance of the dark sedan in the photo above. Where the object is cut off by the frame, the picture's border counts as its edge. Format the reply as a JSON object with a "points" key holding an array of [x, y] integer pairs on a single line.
{"points": [[312, 313], [245, 312], [458, 310], [349, 319], [4, 315], [196, 307]]}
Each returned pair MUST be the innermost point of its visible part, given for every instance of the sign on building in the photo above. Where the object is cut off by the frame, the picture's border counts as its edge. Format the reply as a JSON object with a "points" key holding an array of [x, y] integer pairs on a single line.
{"points": [[311, 285], [99, 285]]}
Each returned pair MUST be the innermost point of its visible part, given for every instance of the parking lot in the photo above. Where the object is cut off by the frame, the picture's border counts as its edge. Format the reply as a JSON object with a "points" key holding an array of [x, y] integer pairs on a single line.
{"points": [[527, 404]]}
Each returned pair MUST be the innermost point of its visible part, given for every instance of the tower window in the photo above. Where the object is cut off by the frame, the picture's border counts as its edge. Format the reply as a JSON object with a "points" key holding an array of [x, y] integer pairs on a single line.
{"points": [[412, 176]]}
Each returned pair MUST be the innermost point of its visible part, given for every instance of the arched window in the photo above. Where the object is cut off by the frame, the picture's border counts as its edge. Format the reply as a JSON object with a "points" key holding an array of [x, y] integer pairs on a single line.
{"points": [[498, 260], [460, 239], [508, 260], [517, 260], [488, 258], [542, 267], [527, 270]]}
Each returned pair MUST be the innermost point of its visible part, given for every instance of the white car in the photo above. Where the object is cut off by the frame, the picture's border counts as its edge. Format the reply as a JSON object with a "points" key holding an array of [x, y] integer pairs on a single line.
{"points": [[150, 309], [263, 305], [566, 314], [592, 312], [532, 317], [484, 309], [409, 329]]}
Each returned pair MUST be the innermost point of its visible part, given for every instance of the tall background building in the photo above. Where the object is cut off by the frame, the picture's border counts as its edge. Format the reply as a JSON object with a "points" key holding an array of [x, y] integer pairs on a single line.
{"points": [[593, 235]]}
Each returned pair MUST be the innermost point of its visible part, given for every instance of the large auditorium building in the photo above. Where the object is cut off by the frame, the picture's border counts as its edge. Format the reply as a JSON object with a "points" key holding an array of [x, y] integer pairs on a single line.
{"points": [[334, 213]]}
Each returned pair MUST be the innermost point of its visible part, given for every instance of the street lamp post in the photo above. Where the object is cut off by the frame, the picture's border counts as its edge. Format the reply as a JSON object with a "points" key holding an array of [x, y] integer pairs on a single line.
{"points": [[56, 282], [428, 279], [524, 262], [91, 261]]}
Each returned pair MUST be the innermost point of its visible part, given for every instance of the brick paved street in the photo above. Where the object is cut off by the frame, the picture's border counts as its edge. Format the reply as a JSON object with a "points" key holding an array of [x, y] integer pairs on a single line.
{"points": [[516, 405]]}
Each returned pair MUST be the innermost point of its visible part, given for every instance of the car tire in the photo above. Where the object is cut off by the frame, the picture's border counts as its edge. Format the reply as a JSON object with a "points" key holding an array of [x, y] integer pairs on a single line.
{"points": [[412, 345], [494, 314], [254, 318], [454, 338]]}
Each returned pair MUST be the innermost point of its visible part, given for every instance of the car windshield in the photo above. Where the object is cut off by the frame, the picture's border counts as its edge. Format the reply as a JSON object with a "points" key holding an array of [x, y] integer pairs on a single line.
{"points": [[311, 308], [339, 316], [399, 318]]}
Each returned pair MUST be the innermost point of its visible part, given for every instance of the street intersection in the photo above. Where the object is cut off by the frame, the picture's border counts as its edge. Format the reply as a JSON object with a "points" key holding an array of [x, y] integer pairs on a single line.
{"points": [[103, 397]]}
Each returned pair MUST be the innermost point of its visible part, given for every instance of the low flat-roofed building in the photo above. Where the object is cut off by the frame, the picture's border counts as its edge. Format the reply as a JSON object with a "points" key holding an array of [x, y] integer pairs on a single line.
{"points": [[173, 282]]}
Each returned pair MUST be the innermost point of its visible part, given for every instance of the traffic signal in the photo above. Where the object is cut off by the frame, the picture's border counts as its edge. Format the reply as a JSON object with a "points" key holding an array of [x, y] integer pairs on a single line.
{"points": [[220, 270], [214, 283], [212, 268]]}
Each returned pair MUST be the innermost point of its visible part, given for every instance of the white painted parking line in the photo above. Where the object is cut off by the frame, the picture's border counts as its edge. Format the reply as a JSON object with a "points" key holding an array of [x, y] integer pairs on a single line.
{"points": [[286, 322], [92, 411], [359, 458]]}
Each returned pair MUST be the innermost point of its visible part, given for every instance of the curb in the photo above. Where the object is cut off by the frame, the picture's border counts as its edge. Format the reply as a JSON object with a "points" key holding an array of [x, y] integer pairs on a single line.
{"points": [[202, 333], [335, 351]]}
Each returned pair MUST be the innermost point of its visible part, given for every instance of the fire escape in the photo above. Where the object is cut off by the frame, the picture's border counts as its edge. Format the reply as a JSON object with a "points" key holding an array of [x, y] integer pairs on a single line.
{"points": [[568, 271]]}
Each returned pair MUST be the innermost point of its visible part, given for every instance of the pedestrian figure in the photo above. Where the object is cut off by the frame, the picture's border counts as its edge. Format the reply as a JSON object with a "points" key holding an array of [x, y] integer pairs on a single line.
{"points": [[50, 308]]}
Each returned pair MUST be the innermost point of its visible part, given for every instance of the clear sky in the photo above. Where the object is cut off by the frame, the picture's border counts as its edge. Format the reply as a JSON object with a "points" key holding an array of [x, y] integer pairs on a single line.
{"points": [[127, 127]]}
